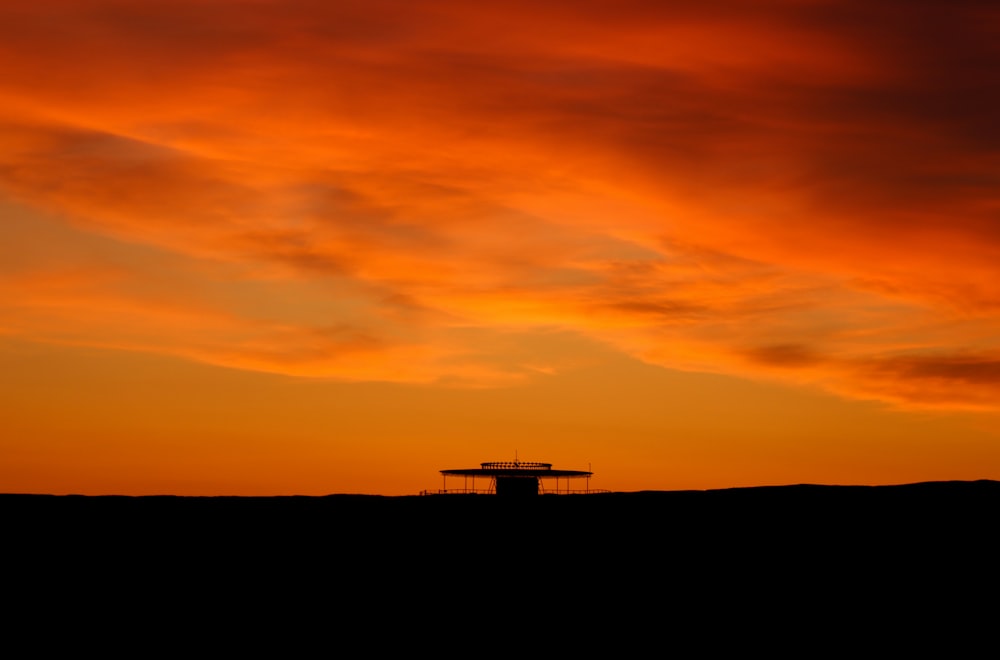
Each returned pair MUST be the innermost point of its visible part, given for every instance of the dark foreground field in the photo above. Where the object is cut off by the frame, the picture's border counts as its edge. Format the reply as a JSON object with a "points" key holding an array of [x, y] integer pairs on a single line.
{"points": [[637, 528], [836, 563]]}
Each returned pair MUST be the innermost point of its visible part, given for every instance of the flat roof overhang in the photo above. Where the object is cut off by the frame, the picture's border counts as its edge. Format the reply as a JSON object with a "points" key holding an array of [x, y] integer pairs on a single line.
{"points": [[515, 473]]}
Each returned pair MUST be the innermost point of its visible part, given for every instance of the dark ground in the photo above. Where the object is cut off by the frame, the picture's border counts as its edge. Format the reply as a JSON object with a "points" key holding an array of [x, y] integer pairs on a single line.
{"points": [[631, 565], [646, 524]]}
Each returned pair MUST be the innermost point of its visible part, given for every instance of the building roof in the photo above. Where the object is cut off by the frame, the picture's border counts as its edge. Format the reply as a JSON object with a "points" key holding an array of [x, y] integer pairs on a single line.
{"points": [[516, 469]]}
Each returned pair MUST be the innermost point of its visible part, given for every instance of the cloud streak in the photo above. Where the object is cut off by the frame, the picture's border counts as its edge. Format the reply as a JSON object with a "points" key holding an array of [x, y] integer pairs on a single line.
{"points": [[804, 191]]}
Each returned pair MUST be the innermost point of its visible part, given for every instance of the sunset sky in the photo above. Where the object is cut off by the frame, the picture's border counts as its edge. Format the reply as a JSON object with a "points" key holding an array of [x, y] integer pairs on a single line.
{"points": [[280, 247]]}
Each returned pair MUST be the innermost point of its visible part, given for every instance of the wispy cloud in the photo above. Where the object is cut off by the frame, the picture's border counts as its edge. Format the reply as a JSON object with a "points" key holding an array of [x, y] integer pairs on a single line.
{"points": [[793, 190]]}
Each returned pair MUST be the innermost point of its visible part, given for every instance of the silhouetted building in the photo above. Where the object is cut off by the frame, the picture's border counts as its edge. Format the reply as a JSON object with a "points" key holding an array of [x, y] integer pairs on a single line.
{"points": [[514, 478]]}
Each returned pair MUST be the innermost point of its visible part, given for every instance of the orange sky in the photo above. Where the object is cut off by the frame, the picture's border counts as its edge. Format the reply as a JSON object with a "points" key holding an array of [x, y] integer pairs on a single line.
{"points": [[269, 247]]}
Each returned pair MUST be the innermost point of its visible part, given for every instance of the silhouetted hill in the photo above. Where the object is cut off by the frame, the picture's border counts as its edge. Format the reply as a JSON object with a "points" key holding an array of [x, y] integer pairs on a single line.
{"points": [[837, 560], [608, 520]]}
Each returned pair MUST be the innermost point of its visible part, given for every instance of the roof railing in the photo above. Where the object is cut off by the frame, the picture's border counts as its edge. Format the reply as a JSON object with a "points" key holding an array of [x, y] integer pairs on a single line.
{"points": [[515, 465]]}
